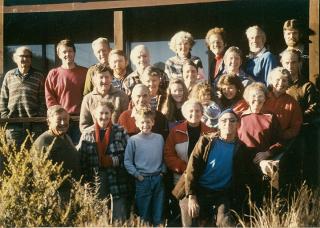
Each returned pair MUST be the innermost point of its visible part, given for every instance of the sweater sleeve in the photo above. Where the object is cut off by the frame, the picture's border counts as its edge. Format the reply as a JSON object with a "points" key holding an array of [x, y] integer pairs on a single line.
{"points": [[85, 120], [269, 64], [41, 98], [295, 122], [171, 157], [129, 158], [4, 99], [88, 86], [51, 96]]}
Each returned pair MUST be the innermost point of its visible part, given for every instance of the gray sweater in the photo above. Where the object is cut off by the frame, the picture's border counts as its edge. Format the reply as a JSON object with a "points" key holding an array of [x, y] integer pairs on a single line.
{"points": [[144, 155]]}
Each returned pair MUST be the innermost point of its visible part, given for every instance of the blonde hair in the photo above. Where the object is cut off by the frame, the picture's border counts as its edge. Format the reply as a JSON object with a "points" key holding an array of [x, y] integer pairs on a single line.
{"points": [[216, 31], [199, 90], [100, 40], [276, 72], [182, 35]]}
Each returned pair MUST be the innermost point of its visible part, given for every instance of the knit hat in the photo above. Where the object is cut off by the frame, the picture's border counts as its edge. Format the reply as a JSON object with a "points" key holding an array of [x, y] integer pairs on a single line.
{"points": [[211, 114], [228, 110]]}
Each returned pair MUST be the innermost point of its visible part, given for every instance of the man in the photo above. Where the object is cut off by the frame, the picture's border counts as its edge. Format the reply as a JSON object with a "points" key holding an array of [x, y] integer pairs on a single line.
{"points": [[292, 34], [216, 42], [103, 90], [58, 144], [140, 57], [209, 173], [260, 61], [64, 85], [101, 49], [141, 99], [22, 95], [118, 62]]}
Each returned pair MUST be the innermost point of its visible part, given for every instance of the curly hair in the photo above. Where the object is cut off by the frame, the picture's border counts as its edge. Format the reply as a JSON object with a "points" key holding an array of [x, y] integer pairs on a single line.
{"points": [[182, 35]]}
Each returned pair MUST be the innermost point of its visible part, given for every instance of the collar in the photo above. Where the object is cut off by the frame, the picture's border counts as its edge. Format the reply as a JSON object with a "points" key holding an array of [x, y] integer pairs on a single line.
{"points": [[260, 53], [18, 73]]}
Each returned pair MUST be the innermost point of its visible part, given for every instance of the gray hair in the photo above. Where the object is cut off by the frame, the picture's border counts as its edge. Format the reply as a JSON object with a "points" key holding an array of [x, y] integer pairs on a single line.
{"points": [[182, 35], [258, 29], [136, 50], [54, 110], [100, 40], [189, 103], [276, 72], [254, 87], [22, 48]]}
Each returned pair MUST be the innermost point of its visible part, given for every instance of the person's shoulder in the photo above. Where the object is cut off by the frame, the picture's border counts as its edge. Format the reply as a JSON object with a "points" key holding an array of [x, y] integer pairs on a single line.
{"points": [[79, 67], [44, 140], [171, 60], [268, 55]]}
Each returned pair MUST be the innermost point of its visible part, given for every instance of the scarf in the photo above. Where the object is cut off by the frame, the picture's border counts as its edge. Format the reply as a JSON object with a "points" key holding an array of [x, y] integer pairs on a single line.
{"points": [[102, 145]]}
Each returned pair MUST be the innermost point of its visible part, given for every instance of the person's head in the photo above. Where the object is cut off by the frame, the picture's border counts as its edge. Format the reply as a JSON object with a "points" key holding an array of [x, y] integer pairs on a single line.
{"points": [[145, 120], [255, 95], [140, 96], [58, 120], [230, 86], [181, 43], [227, 125], [118, 62], [202, 92], [256, 38], [279, 80], [23, 57], [151, 78], [140, 57], [177, 91], [102, 78], [101, 49], [192, 111], [102, 113], [66, 51], [232, 59], [291, 60], [292, 32], [189, 73], [216, 40]]}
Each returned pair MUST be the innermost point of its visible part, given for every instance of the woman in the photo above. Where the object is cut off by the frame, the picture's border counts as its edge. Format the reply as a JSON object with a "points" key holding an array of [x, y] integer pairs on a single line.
{"points": [[180, 143], [261, 133], [177, 94], [102, 148], [230, 91], [203, 93], [181, 44]]}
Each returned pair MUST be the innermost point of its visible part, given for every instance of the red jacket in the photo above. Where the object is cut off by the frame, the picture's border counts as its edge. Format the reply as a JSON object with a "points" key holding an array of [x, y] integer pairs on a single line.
{"points": [[288, 112], [176, 148]]}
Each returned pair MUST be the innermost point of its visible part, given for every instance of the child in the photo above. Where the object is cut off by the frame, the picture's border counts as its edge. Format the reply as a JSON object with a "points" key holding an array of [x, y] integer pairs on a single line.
{"points": [[177, 94], [151, 78], [144, 160]]}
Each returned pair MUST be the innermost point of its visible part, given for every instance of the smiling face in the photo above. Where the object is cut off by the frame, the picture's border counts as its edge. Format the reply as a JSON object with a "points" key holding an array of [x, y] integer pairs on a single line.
{"points": [[142, 59], [280, 83], [176, 91], [102, 116], [193, 114], [216, 44], [101, 51], [118, 64], [140, 98], [59, 123], [145, 124], [232, 62], [189, 74], [102, 82], [291, 37], [152, 82], [229, 91], [183, 48], [256, 100], [22, 58], [256, 41], [66, 55]]}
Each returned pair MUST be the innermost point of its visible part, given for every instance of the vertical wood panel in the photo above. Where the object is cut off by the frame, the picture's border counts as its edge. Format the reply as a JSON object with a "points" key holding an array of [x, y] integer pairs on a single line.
{"points": [[314, 45], [1, 38], [118, 30]]}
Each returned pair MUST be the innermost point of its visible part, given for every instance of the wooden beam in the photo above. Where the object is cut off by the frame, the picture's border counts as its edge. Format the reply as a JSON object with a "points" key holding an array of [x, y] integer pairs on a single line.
{"points": [[119, 42], [99, 5], [314, 38], [1, 39], [31, 119]]}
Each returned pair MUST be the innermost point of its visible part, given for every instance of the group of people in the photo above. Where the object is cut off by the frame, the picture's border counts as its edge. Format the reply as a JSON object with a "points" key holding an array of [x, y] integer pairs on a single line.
{"points": [[142, 132]]}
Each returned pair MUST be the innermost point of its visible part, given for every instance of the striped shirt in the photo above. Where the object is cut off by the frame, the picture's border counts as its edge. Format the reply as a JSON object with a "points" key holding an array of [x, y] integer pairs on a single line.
{"points": [[22, 96]]}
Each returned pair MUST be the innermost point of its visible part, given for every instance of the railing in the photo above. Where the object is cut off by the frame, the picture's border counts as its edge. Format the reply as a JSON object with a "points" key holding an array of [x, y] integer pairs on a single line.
{"points": [[31, 119]]}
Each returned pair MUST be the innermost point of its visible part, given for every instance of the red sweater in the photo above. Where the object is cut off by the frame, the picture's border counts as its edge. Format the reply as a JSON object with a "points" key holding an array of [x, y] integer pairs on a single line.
{"points": [[288, 112], [65, 87], [260, 132]]}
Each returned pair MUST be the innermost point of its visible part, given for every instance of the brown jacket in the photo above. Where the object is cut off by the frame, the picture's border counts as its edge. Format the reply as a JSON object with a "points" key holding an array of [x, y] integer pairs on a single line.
{"points": [[198, 160]]}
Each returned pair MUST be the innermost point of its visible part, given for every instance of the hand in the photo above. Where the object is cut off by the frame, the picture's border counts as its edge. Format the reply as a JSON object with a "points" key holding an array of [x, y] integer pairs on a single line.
{"points": [[140, 178], [193, 206], [261, 156]]}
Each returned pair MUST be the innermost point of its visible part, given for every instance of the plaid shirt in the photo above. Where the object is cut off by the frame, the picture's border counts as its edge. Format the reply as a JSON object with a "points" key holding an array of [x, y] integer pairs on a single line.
{"points": [[117, 182], [134, 79], [173, 67]]}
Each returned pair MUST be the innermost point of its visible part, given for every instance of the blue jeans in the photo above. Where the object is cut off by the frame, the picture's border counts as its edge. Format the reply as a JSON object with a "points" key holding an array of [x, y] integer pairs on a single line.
{"points": [[150, 199]]}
